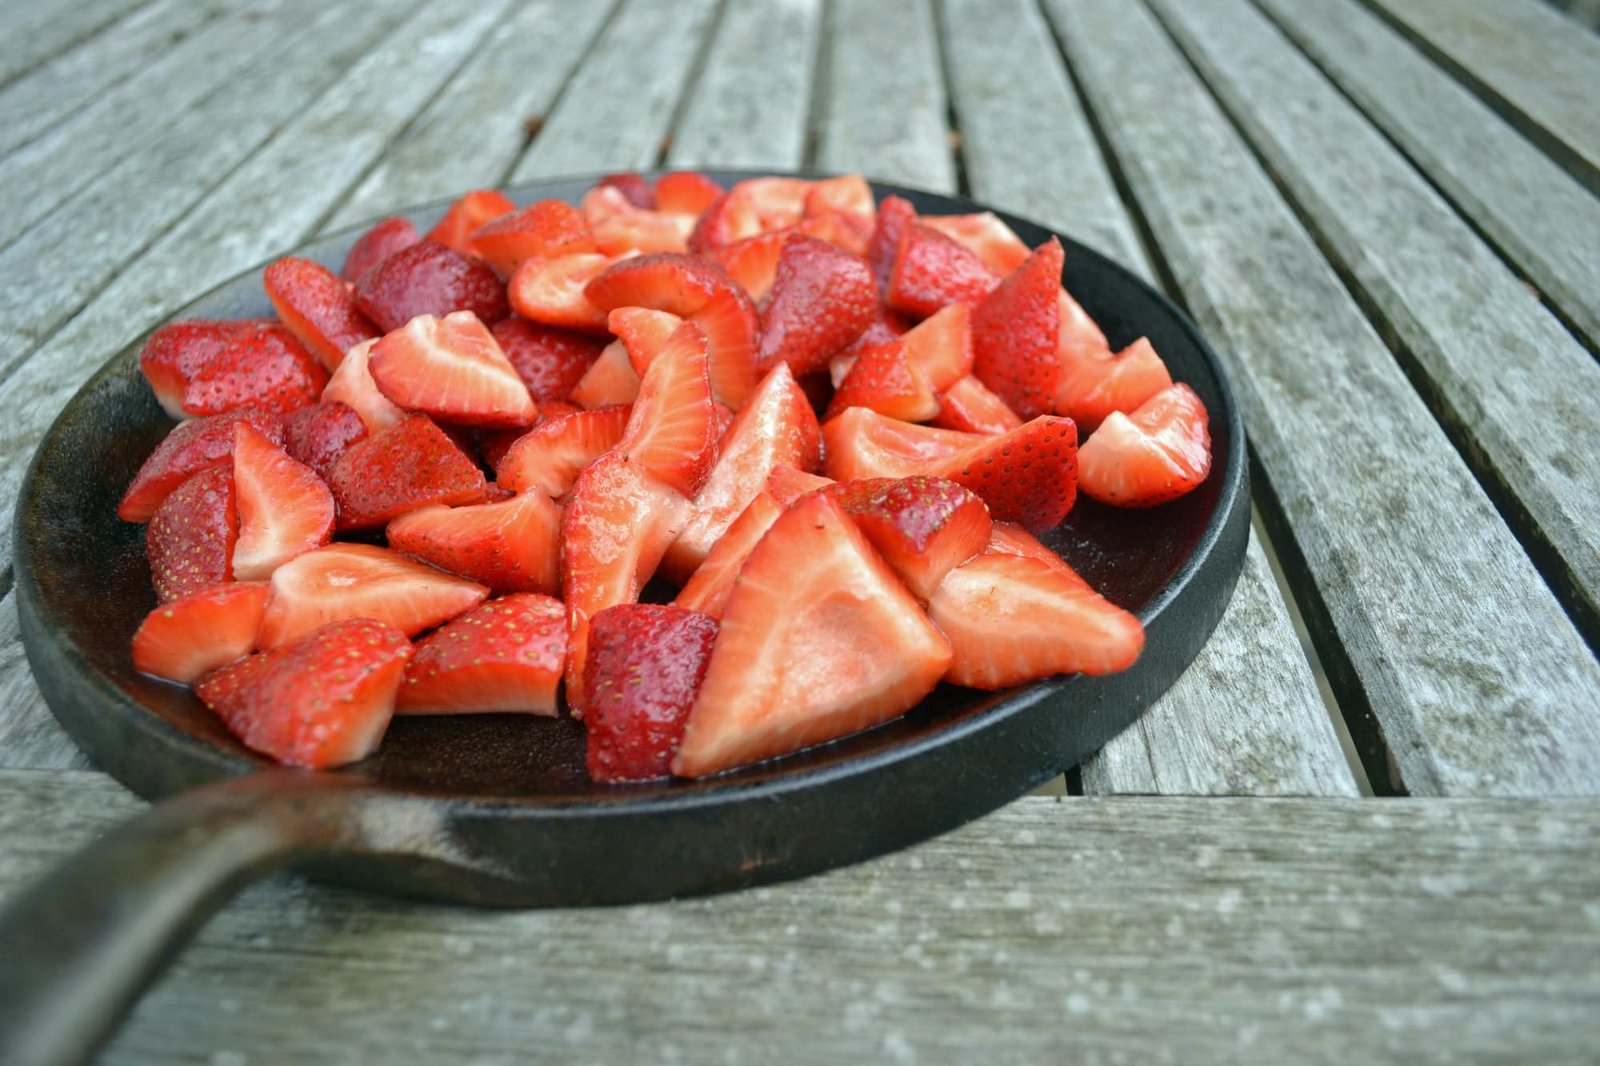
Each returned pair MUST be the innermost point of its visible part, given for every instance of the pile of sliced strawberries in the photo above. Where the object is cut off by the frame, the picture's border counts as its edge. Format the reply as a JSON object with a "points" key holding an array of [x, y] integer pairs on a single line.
{"points": [[516, 421]]}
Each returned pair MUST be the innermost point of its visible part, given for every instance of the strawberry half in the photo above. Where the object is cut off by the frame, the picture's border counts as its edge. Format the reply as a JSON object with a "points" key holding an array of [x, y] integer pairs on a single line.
{"points": [[325, 701], [191, 447], [196, 634], [1091, 387], [643, 333], [610, 382], [344, 581], [932, 271], [429, 279], [970, 407], [549, 361], [509, 545], [883, 379], [317, 308], [1014, 618], [319, 434], [549, 457], [819, 640], [922, 526], [1015, 331], [191, 535], [403, 468], [1156, 454], [468, 215], [821, 300], [284, 507], [554, 291], [895, 216], [547, 229], [203, 367], [451, 368], [506, 655], [352, 386], [1029, 475], [671, 431], [707, 590], [646, 662], [376, 245], [990, 239]]}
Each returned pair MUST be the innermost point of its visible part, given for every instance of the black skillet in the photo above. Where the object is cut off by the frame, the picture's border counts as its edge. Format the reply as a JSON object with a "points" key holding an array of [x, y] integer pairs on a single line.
{"points": [[497, 810]]}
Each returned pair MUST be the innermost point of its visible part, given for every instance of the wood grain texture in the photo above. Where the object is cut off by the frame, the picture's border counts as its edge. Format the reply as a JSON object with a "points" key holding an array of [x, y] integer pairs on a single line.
{"points": [[30, 737], [882, 108], [31, 33], [1479, 681], [473, 131], [1084, 930], [748, 107], [1487, 349], [617, 108], [1526, 60], [1540, 217], [1246, 717]]}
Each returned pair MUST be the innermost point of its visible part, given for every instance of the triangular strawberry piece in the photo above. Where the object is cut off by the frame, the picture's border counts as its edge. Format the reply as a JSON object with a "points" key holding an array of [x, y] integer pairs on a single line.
{"points": [[505, 655], [190, 540], [209, 368], [819, 640], [752, 262], [883, 379], [632, 185], [547, 229], [989, 238], [284, 507], [941, 346], [1029, 475], [708, 589], [846, 232], [194, 635], [786, 484], [1006, 538], [404, 468], [821, 300], [612, 380], [861, 443], [731, 325], [1013, 618], [887, 326], [430, 279], [352, 385], [848, 194], [317, 308], [970, 407], [642, 331], [361, 581], [1091, 388], [622, 229], [451, 368], [932, 271], [727, 220], [1015, 332], [322, 702], [685, 192], [549, 457], [895, 216], [922, 526], [376, 245], [552, 291], [467, 215], [509, 545], [672, 429], [319, 434], [550, 361], [778, 202], [1156, 454], [191, 447]]}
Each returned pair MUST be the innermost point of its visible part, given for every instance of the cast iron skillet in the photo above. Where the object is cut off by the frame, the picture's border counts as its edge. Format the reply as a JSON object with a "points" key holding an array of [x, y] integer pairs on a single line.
{"points": [[497, 810]]}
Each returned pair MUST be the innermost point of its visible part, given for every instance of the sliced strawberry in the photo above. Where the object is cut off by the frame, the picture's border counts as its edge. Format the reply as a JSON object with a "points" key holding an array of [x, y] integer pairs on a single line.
{"points": [[552, 291], [614, 531], [204, 367], [970, 407], [352, 386], [819, 640], [787, 484], [317, 308], [932, 271], [777, 202], [1014, 618], [1091, 388], [776, 427], [643, 332], [322, 702], [547, 229], [646, 662], [848, 193], [404, 468], [376, 245], [685, 192], [1015, 331], [895, 216], [465, 217], [752, 262], [361, 581], [883, 379], [672, 429], [861, 443], [284, 507], [622, 229], [506, 655], [1159, 452], [429, 279], [846, 232], [191, 535], [1029, 475], [549, 457], [451, 368], [634, 186], [191, 447], [887, 326], [941, 346], [319, 434], [1005, 538], [731, 324], [196, 634], [509, 545], [730, 218], [821, 300], [989, 238], [610, 382], [1081, 340], [708, 589], [922, 526], [549, 361]]}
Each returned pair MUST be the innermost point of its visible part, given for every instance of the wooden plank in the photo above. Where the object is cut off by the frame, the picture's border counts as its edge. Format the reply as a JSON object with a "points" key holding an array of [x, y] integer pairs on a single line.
{"points": [[748, 108], [1406, 931], [473, 131], [1246, 717], [30, 737], [1428, 607], [34, 32], [48, 273], [1526, 60], [1540, 217], [618, 106], [882, 104], [1463, 316]]}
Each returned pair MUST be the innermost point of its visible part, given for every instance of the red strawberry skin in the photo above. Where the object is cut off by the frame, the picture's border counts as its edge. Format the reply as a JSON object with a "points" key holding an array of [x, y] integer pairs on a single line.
{"points": [[1028, 476], [319, 434], [467, 215], [821, 300], [550, 361], [504, 655], [1014, 332], [191, 447], [284, 508], [932, 271], [895, 216], [376, 245], [922, 526], [646, 662], [404, 468], [194, 635], [324, 701], [191, 536], [317, 308], [549, 457], [509, 545], [430, 279], [632, 185], [546, 228], [451, 368], [209, 368], [671, 430]]}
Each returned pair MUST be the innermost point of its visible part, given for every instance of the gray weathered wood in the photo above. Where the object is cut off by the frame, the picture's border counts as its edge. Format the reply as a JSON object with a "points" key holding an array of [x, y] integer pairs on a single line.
{"points": [[1480, 682], [475, 128], [1527, 60], [618, 106], [48, 273], [882, 105], [748, 107], [1246, 717], [1514, 385], [33, 32], [30, 737], [1532, 209], [1081, 930]]}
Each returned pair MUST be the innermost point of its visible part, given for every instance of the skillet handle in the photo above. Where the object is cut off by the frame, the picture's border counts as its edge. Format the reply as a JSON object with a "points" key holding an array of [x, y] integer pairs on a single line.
{"points": [[79, 947]]}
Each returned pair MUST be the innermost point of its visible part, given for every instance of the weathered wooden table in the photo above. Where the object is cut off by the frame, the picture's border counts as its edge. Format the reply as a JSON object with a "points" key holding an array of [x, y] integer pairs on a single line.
{"points": [[1385, 217]]}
